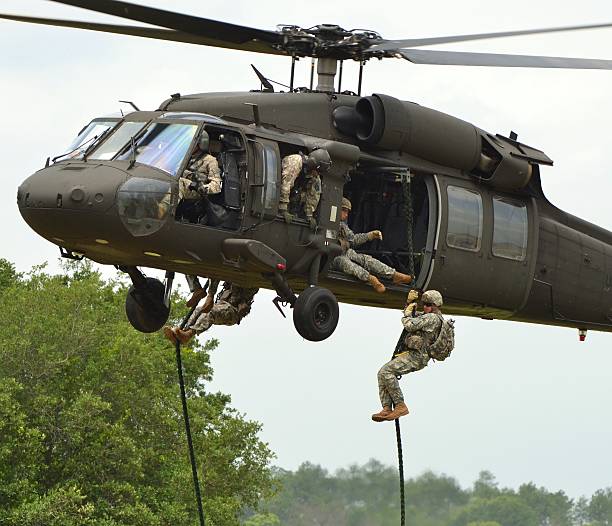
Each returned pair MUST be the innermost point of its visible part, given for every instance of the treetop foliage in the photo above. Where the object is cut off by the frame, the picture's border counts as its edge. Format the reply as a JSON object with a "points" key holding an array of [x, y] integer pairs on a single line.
{"points": [[91, 429]]}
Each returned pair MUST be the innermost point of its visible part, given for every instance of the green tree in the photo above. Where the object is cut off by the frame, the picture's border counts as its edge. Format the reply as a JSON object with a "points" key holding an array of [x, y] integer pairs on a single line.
{"points": [[91, 417], [507, 510], [600, 507], [552, 509]]}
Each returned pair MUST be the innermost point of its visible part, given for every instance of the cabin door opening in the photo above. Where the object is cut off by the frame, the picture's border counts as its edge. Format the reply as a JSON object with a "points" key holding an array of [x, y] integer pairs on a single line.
{"points": [[377, 198]]}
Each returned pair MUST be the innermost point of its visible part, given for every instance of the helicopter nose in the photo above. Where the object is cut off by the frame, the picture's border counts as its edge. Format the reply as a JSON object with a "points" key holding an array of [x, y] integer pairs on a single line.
{"points": [[68, 200]]}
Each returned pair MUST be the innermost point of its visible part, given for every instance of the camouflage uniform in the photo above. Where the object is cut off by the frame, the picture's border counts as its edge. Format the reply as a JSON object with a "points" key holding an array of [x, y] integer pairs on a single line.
{"points": [[311, 194], [354, 263], [233, 304], [291, 167], [422, 330], [204, 170]]}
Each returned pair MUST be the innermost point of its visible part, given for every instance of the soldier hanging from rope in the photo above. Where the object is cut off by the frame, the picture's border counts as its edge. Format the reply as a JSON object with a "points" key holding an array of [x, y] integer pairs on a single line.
{"points": [[428, 336], [231, 306]]}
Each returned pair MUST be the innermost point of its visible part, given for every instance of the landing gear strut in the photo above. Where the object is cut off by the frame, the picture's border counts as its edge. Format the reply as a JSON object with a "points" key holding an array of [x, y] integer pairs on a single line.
{"points": [[147, 304]]}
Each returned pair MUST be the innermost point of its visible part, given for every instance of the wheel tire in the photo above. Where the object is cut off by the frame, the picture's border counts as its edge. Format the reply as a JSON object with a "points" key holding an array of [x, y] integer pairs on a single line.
{"points": [[145, 309], [315, 314]]}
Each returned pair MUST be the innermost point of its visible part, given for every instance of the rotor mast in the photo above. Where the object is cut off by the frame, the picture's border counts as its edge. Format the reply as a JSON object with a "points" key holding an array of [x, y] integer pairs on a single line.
{"points": [[326, 74]]}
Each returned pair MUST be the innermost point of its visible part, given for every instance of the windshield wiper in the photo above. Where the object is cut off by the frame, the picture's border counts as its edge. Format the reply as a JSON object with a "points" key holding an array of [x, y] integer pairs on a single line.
{"points": [[132, 152], [80, 146]]}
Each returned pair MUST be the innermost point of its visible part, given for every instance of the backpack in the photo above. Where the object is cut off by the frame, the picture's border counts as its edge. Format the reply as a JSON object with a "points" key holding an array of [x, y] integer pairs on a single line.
{"points": [[441, 348]]}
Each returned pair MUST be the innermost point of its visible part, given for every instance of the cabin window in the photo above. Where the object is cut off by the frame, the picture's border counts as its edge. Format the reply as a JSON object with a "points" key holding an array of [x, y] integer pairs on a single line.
{"points": [[464, 219], [509, 229], [109, 148]]}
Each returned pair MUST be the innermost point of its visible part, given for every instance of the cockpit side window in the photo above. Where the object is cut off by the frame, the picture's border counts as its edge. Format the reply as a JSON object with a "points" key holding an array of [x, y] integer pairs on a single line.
{"points": [[163, 146], [115, 142]]}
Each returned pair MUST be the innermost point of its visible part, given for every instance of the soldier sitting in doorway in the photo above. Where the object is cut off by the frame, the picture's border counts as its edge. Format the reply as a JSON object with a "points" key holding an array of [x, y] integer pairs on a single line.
{"points": [[232, 305], [363, 266], [311, 166], [201, 178]]}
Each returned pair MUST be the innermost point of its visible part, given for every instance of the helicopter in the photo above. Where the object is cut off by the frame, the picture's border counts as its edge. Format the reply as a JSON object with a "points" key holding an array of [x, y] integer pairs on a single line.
{"points": [[475, 199]]}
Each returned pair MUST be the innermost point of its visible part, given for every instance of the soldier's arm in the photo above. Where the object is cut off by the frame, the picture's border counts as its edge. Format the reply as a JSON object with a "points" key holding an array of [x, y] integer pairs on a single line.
{"points": [[356, 239], [212, 175], [413, 324]]}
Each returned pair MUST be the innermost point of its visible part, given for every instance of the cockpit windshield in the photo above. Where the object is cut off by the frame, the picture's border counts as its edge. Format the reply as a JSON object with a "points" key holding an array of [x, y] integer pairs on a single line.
{"points": [[86, 138], [117, 140], [163, 146]]}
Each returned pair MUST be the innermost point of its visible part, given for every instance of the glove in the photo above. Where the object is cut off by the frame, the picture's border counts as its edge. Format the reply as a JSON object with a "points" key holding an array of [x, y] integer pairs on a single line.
{"points": [[375, 234], [413, 295], [409, 310], [193, 185]]}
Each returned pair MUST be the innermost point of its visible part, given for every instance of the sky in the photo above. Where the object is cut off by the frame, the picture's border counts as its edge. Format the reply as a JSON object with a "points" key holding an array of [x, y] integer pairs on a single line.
{"points": [[527, 402]]}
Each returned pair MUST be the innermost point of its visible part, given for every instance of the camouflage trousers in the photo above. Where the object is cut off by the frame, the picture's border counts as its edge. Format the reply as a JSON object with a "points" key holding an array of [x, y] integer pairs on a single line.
{"points": [[185, 192], [222, 313], [310, 196], [388, 385], [362, 265], [291, 167]]}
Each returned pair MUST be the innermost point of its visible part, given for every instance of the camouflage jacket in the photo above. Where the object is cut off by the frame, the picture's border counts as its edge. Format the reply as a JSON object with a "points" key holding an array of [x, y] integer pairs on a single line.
{"points": [[205, 170], [427, 326], [240, 298], [348, 238]]}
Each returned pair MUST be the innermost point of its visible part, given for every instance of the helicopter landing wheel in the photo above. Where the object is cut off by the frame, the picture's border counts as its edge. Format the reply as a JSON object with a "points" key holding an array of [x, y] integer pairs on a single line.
{"points": [[144, 306], [315, 314]]}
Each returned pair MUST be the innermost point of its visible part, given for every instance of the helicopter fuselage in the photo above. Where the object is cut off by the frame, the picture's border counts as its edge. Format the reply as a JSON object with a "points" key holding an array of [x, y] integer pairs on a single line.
{"points": [[483, 232]]}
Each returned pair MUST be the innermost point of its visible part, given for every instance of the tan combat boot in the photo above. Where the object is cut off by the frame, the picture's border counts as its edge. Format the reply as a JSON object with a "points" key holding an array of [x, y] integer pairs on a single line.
{"points": [[376, 284], [401, 279], [208, 304], [169, 333], [380, 417], [184, 336], [197, 295], [399, 410]]}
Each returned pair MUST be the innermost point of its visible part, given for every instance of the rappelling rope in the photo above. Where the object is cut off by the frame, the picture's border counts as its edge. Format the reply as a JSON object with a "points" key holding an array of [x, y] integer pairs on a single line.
{"points": [[194, 470], [407, 191]]}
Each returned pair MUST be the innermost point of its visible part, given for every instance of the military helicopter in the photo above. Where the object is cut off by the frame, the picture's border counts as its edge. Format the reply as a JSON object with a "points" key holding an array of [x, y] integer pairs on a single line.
{"points": [[447, 195]]}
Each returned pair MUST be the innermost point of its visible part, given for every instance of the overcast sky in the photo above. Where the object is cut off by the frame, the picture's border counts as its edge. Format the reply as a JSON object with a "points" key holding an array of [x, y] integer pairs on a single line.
{"points": [[526, 402]]}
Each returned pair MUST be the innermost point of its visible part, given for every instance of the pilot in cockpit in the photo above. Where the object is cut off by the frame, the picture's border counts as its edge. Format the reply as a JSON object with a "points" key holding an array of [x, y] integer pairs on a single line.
{"points": [[202, 177]]}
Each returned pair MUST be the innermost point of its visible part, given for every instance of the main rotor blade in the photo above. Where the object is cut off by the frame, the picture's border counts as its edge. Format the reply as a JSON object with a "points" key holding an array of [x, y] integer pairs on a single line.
{"points": [[204, 27], [147, 32], [458, 58], [388, 45]]}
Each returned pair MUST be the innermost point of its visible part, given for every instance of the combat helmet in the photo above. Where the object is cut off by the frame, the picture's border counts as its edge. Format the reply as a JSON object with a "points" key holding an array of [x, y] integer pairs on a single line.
{"points": [[433, 297], [321, 159], [346, 204]]}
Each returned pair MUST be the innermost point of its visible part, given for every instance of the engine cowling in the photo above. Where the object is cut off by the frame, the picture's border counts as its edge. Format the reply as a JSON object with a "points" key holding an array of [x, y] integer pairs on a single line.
{"points": [[384, 122]]}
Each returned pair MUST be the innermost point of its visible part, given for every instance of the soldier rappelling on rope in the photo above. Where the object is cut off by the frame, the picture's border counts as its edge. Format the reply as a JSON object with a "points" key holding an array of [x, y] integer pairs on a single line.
{"points": [[427, 335]]}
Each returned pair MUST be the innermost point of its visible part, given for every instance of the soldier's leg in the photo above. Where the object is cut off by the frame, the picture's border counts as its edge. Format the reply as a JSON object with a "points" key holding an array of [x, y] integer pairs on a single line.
{"points": [[344, 264], [387, 378], [197, 292], [288, 178], [193, 282], [372, 265], [223, 313]]}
